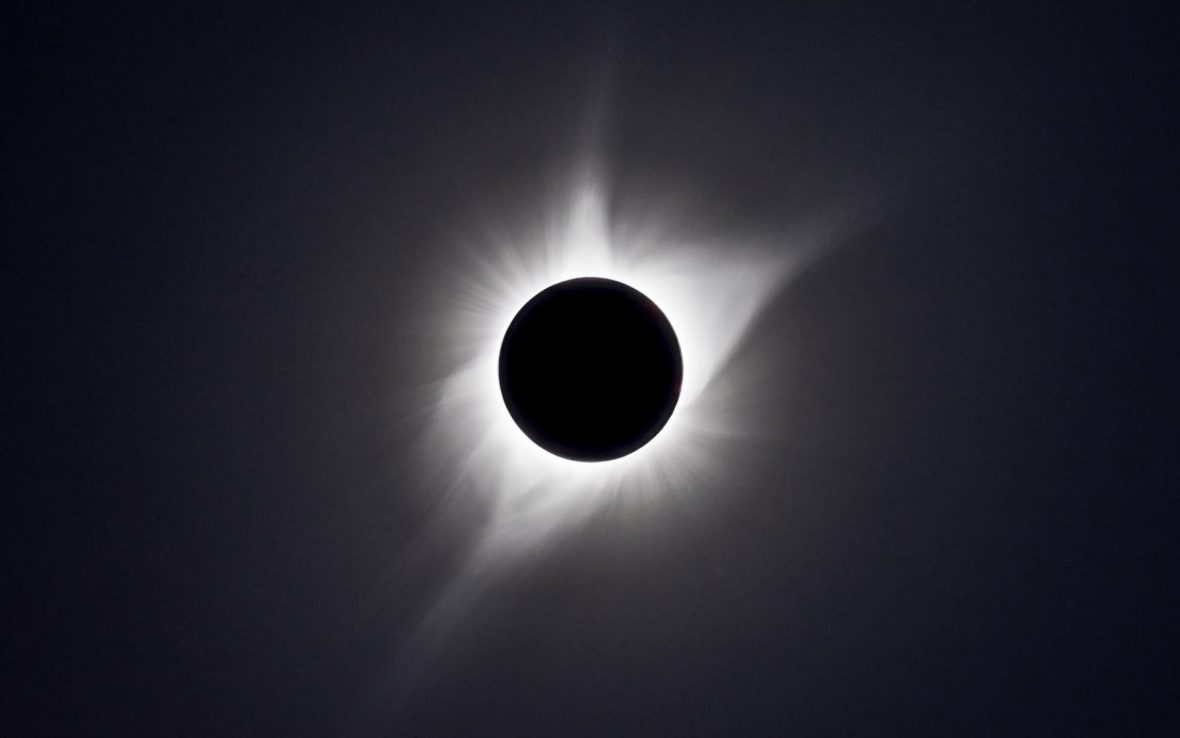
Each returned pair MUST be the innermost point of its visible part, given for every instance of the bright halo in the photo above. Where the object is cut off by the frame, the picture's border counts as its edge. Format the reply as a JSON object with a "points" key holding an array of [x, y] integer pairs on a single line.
{"points": [[710, 292], [483, 470]]}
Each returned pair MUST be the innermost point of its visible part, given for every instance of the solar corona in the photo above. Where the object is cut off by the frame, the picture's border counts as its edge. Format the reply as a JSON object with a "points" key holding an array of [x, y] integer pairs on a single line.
{"points": [[589, 376], [589, 364]]}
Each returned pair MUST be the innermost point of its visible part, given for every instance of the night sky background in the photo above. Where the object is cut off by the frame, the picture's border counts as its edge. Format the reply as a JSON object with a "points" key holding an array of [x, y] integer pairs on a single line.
{"points": [[228, 252]]}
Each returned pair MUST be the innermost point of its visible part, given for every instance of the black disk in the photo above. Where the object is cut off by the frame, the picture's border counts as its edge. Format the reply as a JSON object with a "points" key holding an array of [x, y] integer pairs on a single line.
{"points": [[590, 369]]}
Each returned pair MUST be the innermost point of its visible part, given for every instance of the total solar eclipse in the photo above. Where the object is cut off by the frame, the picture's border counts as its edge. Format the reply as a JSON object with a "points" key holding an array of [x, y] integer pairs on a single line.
{"points": [[590, 369]]}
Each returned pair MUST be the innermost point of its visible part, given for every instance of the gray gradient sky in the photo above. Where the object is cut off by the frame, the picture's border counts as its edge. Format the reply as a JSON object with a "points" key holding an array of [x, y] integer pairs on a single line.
{"points": [[233, 234]]}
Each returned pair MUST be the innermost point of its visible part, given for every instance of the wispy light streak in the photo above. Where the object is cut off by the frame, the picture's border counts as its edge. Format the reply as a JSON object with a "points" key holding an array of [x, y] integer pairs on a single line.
{"points": [[711, 292]]}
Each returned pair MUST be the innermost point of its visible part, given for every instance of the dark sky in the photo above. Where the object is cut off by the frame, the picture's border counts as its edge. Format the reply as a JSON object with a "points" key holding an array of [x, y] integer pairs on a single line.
{"points": [[225, 261]]}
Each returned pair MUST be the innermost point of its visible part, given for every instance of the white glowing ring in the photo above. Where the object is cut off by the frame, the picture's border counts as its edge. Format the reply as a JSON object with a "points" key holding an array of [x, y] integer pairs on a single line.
{"points": [[710, 293]]}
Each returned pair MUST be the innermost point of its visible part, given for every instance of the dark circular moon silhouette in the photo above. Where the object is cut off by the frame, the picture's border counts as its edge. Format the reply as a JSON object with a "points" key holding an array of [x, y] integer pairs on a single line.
{"points": [[590, 369]]}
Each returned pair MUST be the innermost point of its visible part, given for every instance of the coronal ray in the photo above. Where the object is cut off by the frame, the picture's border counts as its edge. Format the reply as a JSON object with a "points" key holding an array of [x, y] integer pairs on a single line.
{"points": [[526, 497], [514, 499]]}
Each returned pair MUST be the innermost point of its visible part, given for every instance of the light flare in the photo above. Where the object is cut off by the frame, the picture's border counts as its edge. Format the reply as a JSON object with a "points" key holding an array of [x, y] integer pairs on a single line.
{"points": [[710, 293], [710, 288]]}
